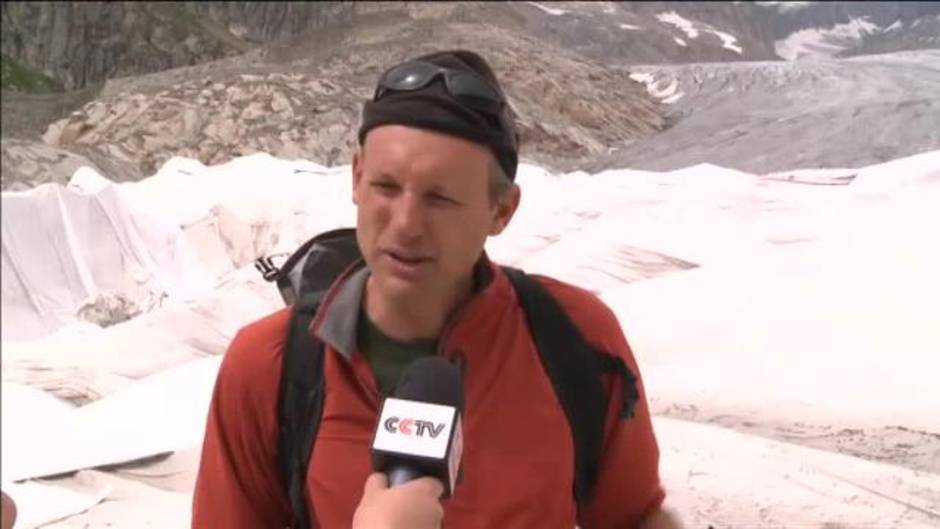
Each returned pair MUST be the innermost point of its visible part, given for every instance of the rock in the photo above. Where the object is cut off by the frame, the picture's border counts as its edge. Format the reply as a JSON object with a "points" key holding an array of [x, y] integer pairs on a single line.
{"points": [[281, 105], [192, 122], [254, 110], [27, 164], [97, 112], [73, 129], [54, 133]]}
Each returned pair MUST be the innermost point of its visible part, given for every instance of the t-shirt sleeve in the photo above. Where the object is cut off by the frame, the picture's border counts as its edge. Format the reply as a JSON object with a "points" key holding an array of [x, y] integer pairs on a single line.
{"points": [[238, 483], [628, 485]]}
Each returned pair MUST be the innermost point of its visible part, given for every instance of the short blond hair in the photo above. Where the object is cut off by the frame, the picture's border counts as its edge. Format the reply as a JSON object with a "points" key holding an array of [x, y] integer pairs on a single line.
{"points": [[499, 183]]}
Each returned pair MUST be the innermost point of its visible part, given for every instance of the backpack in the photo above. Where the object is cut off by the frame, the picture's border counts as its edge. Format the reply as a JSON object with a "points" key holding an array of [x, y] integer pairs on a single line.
{"points": [[574, 367]]}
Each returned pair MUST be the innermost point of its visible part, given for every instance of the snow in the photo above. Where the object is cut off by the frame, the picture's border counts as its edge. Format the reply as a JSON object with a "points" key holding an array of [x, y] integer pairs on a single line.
{"points": [[898, 24], [672, 99], [822, 42], [677, 20], [629, 27], [669, 95], [800, 297], [549, 10], [728, 41], [642, 77], [785, 7], [665, 92]]}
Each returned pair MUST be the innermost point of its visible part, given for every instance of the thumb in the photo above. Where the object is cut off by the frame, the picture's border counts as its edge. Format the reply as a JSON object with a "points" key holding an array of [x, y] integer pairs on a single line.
{"points": [[429, 485], [376, 482]]}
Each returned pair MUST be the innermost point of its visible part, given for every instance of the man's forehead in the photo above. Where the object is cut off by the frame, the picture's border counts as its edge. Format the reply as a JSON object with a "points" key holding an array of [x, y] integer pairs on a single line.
{"points": [[420, 139], [415, 149]]}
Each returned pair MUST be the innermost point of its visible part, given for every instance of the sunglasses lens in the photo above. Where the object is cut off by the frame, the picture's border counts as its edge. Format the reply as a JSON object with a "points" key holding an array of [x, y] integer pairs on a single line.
{"points": [[409, 76], [462, 85]]}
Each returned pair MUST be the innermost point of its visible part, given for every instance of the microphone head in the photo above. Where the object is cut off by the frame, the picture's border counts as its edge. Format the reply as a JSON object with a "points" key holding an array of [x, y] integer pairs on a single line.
{"points": [[419, 431], [434, 380]]}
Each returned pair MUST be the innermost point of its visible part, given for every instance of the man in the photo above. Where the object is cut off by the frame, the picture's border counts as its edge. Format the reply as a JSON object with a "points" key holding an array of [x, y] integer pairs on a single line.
{"points": [[432, 180]]}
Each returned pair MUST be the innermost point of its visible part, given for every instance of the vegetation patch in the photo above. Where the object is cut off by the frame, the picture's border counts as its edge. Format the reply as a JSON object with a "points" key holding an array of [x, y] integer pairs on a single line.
{"points": [[20, 78]]}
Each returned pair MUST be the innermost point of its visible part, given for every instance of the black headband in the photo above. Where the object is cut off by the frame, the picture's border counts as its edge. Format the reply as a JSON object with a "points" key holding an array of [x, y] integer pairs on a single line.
{"points": [[434, 107]]}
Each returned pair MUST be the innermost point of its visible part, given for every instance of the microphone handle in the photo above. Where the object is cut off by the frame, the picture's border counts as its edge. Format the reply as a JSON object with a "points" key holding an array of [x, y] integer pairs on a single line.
{"points": [[400, 474]]}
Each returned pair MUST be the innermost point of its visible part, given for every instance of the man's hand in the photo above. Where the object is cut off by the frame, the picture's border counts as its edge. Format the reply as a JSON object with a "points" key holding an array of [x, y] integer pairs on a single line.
{"points": [[413, 505], [9, 512], [661, 519]]}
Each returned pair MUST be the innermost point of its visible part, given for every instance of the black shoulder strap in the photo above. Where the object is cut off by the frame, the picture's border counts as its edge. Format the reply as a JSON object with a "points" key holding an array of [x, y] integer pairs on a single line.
{"points": [[614, 364], [300, 405], [574, 367]]}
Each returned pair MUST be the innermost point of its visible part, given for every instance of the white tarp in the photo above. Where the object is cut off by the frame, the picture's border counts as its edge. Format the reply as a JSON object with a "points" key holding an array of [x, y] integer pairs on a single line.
{"points": [[63, 249], [38, 504], [720, 478], [163, 413], [128, 248], [845, 328], [764, 299]]}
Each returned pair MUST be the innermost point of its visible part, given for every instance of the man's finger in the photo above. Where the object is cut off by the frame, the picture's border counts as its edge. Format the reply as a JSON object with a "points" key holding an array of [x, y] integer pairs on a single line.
{"points": [[377, 481]]}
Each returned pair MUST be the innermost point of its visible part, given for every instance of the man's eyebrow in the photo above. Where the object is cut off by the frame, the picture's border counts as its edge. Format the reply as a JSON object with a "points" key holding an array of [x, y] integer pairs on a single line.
{"points": [[439, 189], [445, 193]]}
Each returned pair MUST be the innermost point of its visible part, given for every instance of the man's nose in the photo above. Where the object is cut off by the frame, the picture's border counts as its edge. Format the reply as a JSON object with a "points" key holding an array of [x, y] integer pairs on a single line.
{"points": [[408, 216]]}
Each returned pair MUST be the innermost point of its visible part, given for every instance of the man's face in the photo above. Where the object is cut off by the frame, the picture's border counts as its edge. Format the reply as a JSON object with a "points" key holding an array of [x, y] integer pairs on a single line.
{"points": [[424, 210]]}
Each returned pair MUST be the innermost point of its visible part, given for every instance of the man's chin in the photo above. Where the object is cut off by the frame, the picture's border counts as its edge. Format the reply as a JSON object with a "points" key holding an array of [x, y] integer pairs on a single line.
{"points": [[398, 287]]}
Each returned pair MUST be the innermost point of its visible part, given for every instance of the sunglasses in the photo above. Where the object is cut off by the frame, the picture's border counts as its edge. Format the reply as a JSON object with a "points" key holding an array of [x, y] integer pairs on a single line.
{"points": [[465, 87], [461, 84]]}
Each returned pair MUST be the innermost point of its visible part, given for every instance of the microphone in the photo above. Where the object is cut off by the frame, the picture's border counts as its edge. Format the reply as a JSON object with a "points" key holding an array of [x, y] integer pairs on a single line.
{"points": [[419, 431]]}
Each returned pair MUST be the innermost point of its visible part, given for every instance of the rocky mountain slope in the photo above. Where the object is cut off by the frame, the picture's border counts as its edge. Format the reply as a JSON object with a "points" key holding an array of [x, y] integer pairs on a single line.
{"points": [[681, 32], [301, 98], [655, 32], [78, 44], [813, 29], [921, 32], [83, 43]]}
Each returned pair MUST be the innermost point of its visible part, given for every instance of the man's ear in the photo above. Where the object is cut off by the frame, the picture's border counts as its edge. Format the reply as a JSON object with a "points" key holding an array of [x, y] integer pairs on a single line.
{"points": [[506, 207], [357, 163]]}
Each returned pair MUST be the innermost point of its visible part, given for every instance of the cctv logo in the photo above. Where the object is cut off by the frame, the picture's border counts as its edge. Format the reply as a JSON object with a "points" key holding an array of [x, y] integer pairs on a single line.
{"points": [[418, 427]]}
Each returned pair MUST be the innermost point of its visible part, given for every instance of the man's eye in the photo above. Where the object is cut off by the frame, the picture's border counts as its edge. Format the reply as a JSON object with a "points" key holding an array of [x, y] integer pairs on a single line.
{"points": [[442, 199], [384, 186]]}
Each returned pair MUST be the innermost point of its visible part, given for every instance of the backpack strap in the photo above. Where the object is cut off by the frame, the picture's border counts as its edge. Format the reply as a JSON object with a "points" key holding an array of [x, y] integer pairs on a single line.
{"points": [[629, 394], [300, 406], [575, 371]]}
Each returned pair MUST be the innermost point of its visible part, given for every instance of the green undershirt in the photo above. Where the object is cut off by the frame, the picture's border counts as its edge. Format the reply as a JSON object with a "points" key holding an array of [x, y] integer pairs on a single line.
{"points": [[387, 356]]}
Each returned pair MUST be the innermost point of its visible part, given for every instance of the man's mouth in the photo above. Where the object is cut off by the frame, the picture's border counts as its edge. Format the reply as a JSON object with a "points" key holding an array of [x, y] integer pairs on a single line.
{"points": [[406, 258]]}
